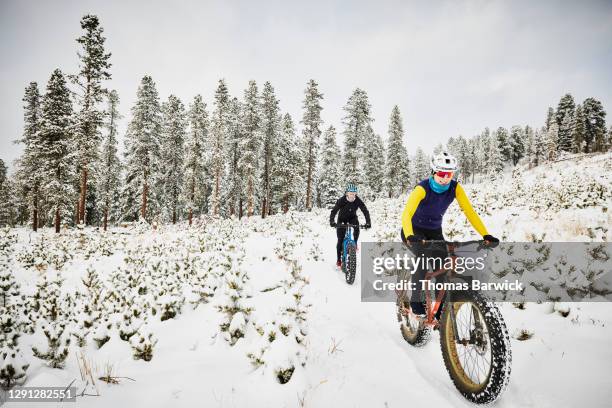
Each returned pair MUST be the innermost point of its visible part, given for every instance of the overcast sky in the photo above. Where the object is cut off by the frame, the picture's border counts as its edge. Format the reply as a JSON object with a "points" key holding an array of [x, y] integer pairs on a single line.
{"points": [[453, 67]]}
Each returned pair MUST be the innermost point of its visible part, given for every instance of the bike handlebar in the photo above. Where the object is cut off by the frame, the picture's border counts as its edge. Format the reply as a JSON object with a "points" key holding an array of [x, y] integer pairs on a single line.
{"points": [[349, 225], [480, 242]]}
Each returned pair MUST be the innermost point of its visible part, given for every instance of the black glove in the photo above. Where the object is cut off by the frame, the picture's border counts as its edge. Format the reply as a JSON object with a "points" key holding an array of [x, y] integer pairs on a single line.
{"points": [[367, 225], [493, 242], [414, 239], [332, 224]]}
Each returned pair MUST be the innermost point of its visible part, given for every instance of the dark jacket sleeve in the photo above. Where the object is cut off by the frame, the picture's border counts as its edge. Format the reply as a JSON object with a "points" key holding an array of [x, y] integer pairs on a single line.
{"points": [[335, 210], [365, 211]]}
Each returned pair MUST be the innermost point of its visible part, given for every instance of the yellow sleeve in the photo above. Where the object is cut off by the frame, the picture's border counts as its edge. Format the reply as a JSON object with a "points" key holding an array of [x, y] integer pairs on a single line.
{"points": [[469, 212], [414, 199]]}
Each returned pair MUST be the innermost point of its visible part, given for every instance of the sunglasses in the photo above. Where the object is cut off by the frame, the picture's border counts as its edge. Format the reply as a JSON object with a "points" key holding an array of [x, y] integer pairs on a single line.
{"points": [[444, 174]]}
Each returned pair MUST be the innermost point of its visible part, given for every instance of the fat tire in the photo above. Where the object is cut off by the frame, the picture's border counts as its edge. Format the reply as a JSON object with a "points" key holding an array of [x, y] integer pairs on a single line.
{"points": [[501, 353]]}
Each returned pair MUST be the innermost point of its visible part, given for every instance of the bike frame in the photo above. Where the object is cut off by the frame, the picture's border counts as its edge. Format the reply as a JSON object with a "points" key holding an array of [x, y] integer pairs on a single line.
{"points": [[432, 306], [348, 239]]}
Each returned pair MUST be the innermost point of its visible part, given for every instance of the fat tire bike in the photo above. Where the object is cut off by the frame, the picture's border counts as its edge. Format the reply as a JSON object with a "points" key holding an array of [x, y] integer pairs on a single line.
{"points": [[473, 336], [349, 252]]}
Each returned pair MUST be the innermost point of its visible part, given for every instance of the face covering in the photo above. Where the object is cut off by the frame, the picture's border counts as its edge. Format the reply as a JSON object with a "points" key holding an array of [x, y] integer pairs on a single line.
{"points": [[437, 187]]}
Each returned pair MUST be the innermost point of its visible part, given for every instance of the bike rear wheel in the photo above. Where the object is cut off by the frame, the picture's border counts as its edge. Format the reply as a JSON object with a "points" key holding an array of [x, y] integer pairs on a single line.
{"points": [[413, 329], [478, 357]]}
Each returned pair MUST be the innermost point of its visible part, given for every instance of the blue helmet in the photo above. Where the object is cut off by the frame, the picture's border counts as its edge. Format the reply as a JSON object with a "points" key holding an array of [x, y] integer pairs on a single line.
{"points": [[351, 188]]}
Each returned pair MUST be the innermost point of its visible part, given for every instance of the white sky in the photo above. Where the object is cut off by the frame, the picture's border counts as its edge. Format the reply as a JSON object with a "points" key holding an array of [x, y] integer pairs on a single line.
{"points": [[453, 67]]}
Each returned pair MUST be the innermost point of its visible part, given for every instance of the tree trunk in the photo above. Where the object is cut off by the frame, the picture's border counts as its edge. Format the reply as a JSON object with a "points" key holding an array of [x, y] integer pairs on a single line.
{"points": [[174, 215], [309, 177], [250, 197], [35, 215], [105, 217], [286, 203], [57, 220], [264, 208], [83, 197], [217, 188], [192, 201], [143, 209], [240, 209]]}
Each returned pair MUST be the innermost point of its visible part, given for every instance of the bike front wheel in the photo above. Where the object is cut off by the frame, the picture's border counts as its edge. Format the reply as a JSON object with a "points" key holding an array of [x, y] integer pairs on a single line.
{"points": [[476, 349], [349, 266]]}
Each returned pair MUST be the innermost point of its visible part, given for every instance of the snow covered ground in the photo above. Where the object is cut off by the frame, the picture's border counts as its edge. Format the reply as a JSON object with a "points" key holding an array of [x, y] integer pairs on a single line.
{"points": [[249, 304]]}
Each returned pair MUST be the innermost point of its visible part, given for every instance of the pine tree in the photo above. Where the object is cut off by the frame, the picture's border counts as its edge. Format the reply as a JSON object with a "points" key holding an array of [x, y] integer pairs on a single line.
{"points": [[375, 166], [564, 118], [550, 142], [578, 136], [356, 123], [172, 154], [566, 129], [142, 150], [396, 154], [329, 176], [218, 137], [550, 118], [517, 143], [196, 160], [538, 150], [494, 158], [594, 124], [312, 122], [288, 163], [93, 70], [56, 148], [235, 173], [421, 166], [4, 195], [529, 145], [30, 168], [270, 130], [471, 149], [251, 144], [503, 142], [462, 153], [110, 166]]}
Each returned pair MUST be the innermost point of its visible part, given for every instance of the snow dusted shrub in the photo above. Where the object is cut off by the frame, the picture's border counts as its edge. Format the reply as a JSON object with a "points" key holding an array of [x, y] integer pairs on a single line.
{"points": [[128, 326], [203, 285], [143, 343], [279, 349], [13, 366], [170, 306], [53, 321], [101, 334], [11, 301], [35, 255], [234, 305]]}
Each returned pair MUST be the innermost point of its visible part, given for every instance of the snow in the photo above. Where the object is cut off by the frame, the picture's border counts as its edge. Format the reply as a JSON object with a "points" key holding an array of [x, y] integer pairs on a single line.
{"points": [[278, 303]]}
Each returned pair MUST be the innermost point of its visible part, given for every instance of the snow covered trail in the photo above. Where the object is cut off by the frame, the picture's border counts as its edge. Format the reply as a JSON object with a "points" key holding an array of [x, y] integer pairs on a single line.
{"points": [[376, 367], [372, 365]]}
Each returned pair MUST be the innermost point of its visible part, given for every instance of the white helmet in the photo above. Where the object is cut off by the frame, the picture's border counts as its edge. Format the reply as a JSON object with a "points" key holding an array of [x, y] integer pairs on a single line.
{"points": [[444, 162]]}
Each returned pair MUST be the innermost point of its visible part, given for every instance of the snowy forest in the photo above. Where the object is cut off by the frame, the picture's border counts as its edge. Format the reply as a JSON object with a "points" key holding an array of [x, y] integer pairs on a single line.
{"points": [[234, 156]]}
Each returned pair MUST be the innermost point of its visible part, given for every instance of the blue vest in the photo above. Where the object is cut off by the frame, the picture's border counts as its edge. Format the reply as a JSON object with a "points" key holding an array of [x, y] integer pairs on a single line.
{"points": [[431, 209]]}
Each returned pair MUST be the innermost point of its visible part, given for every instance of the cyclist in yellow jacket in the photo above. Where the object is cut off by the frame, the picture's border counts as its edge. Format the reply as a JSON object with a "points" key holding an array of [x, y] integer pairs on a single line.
{"points": [[425, 208]]}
